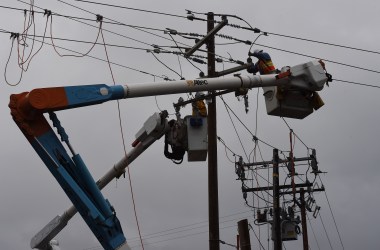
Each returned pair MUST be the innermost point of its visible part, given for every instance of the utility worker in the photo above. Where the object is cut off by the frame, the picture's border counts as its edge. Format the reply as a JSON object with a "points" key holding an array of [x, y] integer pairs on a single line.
{"points": [[199, 107], [264, 65]]}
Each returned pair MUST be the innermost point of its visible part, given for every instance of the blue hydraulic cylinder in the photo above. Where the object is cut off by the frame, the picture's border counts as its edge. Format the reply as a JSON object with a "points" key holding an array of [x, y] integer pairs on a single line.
{"points": [[76, 181]]}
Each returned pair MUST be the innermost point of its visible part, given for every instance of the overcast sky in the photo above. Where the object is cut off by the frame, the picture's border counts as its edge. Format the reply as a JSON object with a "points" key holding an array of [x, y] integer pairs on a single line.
{"points": [[344, 132]]}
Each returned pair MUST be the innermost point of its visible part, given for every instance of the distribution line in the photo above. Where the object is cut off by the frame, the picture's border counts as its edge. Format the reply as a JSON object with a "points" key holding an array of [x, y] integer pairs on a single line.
{"points": [[129, 8], [76, 20], [357, 83], [324, 228], [294, 133], [103, 60], [183, 236], [256, 30], [142, 30], [123, 139], [233, 124], [249, 131], [332, 214], [165, 65], [326, 60], [325, 43], [193, 224], [312, 229], [162, 234]]}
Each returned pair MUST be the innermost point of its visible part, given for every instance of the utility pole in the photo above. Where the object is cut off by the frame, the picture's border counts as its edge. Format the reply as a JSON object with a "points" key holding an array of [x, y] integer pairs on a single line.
{"points": [[277, 244], [244, 240], [303, 218], [213, 200]]}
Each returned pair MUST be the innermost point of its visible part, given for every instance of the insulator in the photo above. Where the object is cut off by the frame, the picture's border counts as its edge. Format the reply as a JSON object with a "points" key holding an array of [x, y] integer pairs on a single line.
{"points": [[225, 36], [256, 30], [198, 61], [234, 25]]}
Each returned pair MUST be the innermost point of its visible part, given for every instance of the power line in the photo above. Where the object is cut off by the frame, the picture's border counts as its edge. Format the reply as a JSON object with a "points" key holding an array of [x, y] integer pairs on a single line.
{"points": [[123, 140], [103, 60], [183, 236], [78, 18], [233, 124], [314, 57], [312, 229], [294, 132], [165, 65], [249, 131], [135, 9], [332, 214], [325, 43], [191, 225], [324, 228], [256, 30], [357, 83], [142, 30]]}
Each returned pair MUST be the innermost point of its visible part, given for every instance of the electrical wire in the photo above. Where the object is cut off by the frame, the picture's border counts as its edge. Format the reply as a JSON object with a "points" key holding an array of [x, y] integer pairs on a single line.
{"points": [[249, 131], [135, 27], [225, 148], [151, 235], [357, 83], [183, 236], [326, 60], [123, 139], [6, 65], [325, 43], [312, 229], [261, 245], [332, 214], [183, 53], [228, 244], [129, 8], [165, 65], [78, 19], [103, 60], [294, 132], [233, 124], [324, 228]]}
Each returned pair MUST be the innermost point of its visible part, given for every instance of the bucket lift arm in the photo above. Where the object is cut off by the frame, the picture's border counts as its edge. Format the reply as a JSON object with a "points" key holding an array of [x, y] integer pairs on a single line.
{"points": [[28, 108], [153, 129]]}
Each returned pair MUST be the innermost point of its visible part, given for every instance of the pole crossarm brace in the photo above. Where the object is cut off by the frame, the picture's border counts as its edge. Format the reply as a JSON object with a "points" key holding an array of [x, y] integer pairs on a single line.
{"points": [[307, 184], [191, 51], [232, 70], [271, 162], [322, 189], [203, 97]]}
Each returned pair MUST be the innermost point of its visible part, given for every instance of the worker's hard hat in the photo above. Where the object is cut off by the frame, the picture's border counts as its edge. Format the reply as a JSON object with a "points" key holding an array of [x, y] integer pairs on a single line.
{"points": [[257, 51]]}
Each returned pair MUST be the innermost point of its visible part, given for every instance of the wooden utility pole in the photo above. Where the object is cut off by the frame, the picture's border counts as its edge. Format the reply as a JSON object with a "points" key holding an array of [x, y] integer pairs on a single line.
{"points": [[277, 242], [213, 200], [303, 217], [244, 240]]}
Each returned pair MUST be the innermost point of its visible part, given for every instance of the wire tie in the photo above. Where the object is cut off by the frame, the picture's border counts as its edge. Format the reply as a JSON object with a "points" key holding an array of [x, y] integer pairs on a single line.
{"points": [[47, 12], [99, 18], [25, 12]]}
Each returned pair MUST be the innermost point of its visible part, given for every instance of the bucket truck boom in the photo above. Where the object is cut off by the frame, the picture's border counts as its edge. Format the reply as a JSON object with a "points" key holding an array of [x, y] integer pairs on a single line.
{"points": [[28, 108]]}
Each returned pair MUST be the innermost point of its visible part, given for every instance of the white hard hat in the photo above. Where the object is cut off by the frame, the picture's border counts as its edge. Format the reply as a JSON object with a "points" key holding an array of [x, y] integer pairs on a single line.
{"points": [[257, 51]]}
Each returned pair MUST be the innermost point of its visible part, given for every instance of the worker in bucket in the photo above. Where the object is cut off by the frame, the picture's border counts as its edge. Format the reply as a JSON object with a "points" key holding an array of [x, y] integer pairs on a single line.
{"points": [[264, 65]]}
